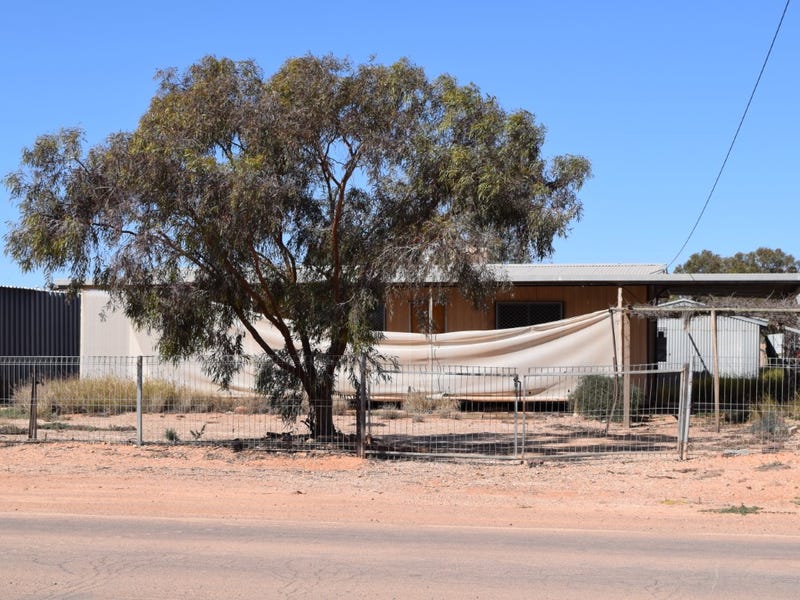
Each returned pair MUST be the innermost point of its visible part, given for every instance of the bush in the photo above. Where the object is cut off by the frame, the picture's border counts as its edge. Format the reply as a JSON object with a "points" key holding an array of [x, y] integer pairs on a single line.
{"points": [[113, 396], [792, 407], [343, 404], [418, 402], [593, 398], [767, 421], [737, 395], [779, 383]]}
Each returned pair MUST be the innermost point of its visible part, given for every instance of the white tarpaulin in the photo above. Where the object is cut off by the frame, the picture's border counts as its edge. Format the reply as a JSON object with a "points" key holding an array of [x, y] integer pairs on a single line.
{"points": [[580, 341], [446, 363], [482, 364]]}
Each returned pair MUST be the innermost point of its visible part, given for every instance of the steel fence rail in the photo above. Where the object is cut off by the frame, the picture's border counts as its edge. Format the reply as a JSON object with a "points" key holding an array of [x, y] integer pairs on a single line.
{"points": [[433, 411]]}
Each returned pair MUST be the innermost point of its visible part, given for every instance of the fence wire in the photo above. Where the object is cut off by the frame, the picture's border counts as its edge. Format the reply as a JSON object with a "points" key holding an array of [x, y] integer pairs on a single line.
{"points": [[410, 411], [443, 410]]}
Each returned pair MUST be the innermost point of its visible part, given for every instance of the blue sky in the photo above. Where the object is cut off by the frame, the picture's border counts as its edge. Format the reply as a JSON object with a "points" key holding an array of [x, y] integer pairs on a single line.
{"points": [[650, 92]]}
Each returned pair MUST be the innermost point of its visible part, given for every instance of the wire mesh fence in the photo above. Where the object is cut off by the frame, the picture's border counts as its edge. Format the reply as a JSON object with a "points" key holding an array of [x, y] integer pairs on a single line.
{"points": [[760, 410], [591, 410], [436, 410], [444, 410]]}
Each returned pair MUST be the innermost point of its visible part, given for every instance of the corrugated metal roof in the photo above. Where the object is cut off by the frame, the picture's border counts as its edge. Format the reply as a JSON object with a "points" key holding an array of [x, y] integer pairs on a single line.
{"points": [[655, 274], [689, 303], [753, 284], [607, 272]]}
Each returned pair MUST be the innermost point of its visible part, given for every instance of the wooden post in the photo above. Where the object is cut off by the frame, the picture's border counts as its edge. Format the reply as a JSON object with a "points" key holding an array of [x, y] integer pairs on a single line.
{"points": [[715, 358], [625, 326]]}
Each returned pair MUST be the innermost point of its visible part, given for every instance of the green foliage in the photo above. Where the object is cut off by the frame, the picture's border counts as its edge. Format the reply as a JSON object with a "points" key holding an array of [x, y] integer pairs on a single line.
{"points": [[13, 412], [282, 389], [762, 260], [171, 435], [738, 510], [594, 397], [297, 199], [740, 396], [780, 384], [11, 429], [737, 395]]}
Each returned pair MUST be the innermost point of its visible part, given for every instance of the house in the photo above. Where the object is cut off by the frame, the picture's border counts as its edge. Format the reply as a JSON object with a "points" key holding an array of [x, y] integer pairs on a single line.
{"points": [[541, 304], [539, 293], [535, 294]]}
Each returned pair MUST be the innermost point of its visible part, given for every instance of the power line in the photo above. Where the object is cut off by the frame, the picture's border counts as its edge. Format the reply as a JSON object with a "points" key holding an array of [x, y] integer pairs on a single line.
{"points": [[733, 141]]}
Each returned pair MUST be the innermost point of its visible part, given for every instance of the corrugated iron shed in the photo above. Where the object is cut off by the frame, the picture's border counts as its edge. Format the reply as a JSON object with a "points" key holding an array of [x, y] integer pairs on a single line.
{"points": [[38, 323], [35, 323]]}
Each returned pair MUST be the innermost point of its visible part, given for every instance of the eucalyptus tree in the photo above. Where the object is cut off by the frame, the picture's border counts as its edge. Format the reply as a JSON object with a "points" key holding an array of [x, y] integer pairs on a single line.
{"points": [[761, 260], [301, 199]]}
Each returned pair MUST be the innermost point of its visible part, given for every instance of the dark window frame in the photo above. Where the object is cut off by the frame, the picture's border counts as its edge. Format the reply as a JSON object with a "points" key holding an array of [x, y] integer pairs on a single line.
{"points": [[378, 318], [531, 310]]}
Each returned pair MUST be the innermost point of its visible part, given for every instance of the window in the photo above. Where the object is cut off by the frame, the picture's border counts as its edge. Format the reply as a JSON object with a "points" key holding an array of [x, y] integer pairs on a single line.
{"points": [[522, 314], [377, 320]]}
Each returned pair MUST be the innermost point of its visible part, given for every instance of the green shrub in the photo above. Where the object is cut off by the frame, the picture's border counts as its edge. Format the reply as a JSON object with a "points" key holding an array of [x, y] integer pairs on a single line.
{"points": [[737, 395], [779, 383], [593, 398]]}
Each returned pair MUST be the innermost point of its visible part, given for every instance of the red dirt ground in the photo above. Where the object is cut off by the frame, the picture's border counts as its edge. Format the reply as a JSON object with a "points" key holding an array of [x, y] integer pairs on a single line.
{"points": [[707, 494]]}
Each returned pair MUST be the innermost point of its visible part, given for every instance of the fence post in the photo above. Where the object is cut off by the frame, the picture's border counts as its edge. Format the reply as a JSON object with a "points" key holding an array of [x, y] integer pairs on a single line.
{"points": [[517, 399], [715, 351], [684, 411], [33, 423], [361, 413], [139, 386]]}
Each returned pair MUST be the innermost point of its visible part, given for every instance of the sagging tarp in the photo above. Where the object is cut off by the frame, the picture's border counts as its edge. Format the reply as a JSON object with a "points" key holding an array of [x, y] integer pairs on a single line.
{"points": [[579, 341], [476, 364], [488, 365]]}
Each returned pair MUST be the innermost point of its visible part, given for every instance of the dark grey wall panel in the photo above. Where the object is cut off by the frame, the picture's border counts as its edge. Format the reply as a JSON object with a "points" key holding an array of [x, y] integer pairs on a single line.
{"points": [[35, 323]]}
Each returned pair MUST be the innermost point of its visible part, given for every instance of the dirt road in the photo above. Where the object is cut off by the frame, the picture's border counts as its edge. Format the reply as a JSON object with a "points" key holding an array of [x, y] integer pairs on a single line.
{"points": [[745, 493]]}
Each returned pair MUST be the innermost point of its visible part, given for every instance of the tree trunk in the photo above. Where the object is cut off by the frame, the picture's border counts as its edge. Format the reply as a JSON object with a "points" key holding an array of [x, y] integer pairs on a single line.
{"points": [[321, 400], [322, 418]]}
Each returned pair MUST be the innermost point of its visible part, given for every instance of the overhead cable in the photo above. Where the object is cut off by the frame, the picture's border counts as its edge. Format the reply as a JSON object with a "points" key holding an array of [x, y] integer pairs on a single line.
{"points": [[733, 141]]}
